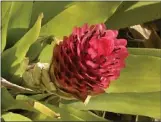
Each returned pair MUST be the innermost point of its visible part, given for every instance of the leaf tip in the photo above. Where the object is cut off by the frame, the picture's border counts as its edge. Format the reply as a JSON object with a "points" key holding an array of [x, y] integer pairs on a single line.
{"points": [[87, 100], [41, 16]]}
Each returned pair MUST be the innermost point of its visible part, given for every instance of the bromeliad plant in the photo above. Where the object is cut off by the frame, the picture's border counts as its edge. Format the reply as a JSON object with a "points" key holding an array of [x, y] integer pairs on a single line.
{"points": [[85, 62], [48, 77]]}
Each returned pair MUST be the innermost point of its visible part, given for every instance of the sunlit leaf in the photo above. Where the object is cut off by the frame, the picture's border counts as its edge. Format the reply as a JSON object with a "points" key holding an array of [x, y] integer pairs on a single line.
{"points": [[78, 14], [46, 54], [6, 13], [12, 57], [15, 117], [146, 104], [40, 96], [38, 46], [141, 74], [83, 115], [9, 103], [72, 114], [19, 21], [50, 9], [132, 13], [21, 14], [145, 51]]}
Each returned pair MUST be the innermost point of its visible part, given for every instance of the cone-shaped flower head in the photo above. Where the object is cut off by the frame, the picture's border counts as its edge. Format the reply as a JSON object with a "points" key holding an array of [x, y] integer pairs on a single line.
{"points": [[86, 61]]}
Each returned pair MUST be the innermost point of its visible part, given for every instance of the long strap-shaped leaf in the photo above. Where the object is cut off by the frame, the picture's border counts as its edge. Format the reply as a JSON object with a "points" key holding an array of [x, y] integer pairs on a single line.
{"points": [[145, 51], [15, 117], [141, 74], [77, 14], [6, 12], [19, 21], [147, 104], [12, 57], [132, 13]]}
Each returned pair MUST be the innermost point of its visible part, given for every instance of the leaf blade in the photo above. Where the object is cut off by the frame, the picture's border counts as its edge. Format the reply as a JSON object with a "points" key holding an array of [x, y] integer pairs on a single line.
{"points": [[145, 51], [132, 13], [6, 12], [98, 12], [146, 104], [12, 57], [15, 117], [19, 21], [146, 79]]}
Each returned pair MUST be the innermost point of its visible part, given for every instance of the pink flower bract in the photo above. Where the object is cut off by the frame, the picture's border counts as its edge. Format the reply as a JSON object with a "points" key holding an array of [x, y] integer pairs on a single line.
{"points": [[86, 61]]}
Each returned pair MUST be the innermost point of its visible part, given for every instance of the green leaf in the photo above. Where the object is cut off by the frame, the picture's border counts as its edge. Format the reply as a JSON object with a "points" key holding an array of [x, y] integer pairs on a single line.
{"points": [[6, 12], [42, 108], [15, 117], [83, 115], [43, 112], [12, 57], [146, 104], [141, 74], [9, 103], [78, 14], [7, 99], [72, 114], [21, 14], [66, 113], [46, 54], [42, 117], [6, 7], [132, 13], [20, 70], [40, 96], [50, 9], [19, 21], [38, 46], [145, 51]]}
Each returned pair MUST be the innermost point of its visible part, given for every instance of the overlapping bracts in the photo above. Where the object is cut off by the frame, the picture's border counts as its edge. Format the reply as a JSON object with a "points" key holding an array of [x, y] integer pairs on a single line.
{"points": [[88, 60]]}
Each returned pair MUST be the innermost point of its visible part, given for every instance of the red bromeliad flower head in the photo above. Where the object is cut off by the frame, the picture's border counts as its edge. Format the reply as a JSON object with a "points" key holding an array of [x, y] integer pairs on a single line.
{"points": [[85, 62]]}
